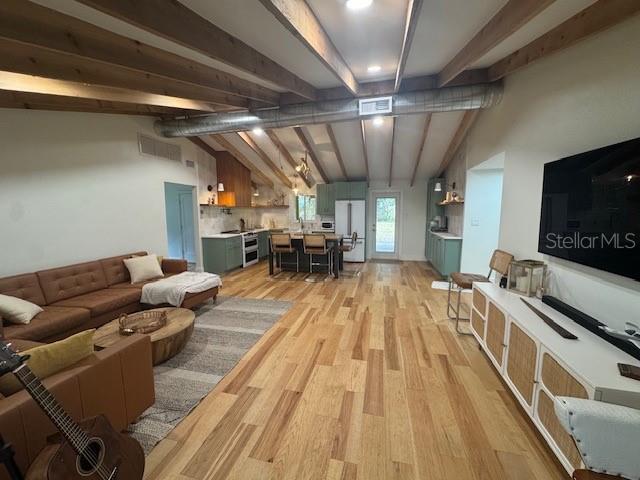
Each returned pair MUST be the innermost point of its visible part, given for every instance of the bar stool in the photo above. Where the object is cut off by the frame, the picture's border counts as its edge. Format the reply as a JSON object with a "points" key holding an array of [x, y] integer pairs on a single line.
{"points": [[348, 247], [281, 243], [316, 244], [500, 261]]}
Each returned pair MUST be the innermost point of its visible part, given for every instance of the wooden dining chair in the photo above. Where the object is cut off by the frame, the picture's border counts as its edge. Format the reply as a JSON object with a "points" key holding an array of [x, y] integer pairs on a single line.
{"points": [[281, 243], [316, 244], [500, 261]]}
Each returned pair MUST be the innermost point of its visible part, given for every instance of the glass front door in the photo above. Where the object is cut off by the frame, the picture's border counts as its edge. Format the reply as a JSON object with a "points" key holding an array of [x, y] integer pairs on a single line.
{"points": [[386, 226]]}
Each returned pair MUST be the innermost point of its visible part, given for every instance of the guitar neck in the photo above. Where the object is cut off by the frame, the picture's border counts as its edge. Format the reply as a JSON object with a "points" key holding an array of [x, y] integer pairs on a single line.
{"points": [[69, 429]]}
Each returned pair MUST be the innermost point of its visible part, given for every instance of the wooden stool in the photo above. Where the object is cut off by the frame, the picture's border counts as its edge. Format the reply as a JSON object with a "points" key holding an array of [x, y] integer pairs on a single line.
{"points": [[347, 247], [316, 244], [281, 243]]}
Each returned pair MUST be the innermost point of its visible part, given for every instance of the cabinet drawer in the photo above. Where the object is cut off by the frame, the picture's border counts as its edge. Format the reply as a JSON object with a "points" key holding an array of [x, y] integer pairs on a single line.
{"points": [[522, 362], [547, 416], [477, 323], [559, 381], [480, 302], [496, 329]]}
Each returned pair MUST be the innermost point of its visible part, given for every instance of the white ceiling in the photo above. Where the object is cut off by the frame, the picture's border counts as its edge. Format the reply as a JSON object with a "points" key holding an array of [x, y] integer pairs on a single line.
{"points": [[366, 37]]}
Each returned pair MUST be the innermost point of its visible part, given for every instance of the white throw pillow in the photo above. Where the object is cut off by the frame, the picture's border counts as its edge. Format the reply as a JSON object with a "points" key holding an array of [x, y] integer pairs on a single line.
{"points": [[16, 310], [142, 269]]}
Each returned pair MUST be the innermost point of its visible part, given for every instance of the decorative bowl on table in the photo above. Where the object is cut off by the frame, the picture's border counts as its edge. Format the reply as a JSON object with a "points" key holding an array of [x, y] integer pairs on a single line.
{"points": [[142, 322]]}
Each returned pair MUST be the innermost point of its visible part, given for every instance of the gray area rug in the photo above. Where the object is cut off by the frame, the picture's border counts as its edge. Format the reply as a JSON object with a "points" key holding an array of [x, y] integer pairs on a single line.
{"points": [[223, 333]]}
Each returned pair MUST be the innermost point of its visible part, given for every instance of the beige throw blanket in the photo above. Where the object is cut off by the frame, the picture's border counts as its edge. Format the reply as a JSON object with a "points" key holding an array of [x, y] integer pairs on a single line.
{"points": [[172, 290]]}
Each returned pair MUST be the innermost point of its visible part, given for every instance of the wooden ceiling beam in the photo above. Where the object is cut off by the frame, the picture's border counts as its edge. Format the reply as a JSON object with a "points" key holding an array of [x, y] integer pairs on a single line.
{"points": [[39, 101], [363, 139], [423, 142], [29, 60], [174, 21], [596, 18], [200, 143], [336, 150], [312, 154], [286, 154], [246, 138], [38, 26], [17, 82], [231, 148], [297, 17], [393, 142], [411, 23], [466, 123], [510, 18]]}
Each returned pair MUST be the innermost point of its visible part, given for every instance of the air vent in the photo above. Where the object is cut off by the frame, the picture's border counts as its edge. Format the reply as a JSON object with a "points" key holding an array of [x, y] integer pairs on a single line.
{"points": [[157, 148], [190, 163], [376, 106]]}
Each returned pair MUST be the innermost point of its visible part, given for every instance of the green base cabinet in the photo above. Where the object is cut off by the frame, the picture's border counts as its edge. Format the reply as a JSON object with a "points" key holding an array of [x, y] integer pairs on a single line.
{"points": [[221, 254], [263, 244], [444, 253]]}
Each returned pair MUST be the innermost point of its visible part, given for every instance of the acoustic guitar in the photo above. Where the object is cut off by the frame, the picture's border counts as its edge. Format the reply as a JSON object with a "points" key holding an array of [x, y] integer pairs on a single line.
{"points": [[91, 450]]}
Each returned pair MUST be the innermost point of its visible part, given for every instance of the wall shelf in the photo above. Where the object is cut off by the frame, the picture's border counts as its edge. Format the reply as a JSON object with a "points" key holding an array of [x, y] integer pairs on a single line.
{"points": [[452, 202]]}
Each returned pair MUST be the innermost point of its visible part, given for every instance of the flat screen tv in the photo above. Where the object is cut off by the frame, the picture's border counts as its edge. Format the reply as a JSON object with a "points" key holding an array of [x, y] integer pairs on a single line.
{"points": [[591, 209]]}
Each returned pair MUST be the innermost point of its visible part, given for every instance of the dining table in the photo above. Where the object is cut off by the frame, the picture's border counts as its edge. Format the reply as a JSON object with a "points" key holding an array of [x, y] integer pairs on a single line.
{"points": [[334, 242]]}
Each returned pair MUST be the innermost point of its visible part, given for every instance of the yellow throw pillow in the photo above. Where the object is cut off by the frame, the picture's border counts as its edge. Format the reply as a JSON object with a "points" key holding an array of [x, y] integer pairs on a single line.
{"points": [[49, 359]]}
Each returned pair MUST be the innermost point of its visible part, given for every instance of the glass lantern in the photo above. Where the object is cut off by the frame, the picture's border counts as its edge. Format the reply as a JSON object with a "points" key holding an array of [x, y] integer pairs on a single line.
{"points": [[526, 277]]}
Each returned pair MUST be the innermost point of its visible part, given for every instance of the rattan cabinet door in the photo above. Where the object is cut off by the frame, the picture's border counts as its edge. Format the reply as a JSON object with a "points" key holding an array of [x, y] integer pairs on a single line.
{"points": [[559, 382], [496, 329], [477, 324], [480, 302], [521, 362]]}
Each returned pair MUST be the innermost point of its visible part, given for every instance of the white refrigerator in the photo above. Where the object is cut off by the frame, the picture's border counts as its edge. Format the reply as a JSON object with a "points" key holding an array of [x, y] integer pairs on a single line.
{"points": [[351, 217]]}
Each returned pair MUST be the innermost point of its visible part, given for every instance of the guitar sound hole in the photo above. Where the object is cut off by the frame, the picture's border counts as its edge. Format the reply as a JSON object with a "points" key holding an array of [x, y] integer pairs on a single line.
{"points": [[91, 457]]}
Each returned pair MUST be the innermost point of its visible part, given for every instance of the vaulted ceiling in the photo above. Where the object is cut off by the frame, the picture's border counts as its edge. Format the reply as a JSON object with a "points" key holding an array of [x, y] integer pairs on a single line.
{"points": [[171, 59]]}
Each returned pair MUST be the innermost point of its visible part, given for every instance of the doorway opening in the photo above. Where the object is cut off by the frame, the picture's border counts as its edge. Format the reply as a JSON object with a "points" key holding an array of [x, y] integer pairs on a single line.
{"points": [[483, 207], [386, 225], [181, 211]]}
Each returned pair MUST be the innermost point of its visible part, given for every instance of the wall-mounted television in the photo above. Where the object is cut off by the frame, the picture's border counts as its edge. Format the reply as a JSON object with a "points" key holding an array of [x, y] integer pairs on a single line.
{"points": [[591, 209]]}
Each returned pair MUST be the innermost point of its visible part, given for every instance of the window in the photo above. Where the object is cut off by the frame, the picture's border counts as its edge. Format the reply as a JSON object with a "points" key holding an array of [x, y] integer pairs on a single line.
{"points": [[306, 208]]}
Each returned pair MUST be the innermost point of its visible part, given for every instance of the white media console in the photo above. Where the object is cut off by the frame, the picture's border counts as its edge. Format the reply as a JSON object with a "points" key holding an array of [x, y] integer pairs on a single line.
{"points": [[538, 364]]}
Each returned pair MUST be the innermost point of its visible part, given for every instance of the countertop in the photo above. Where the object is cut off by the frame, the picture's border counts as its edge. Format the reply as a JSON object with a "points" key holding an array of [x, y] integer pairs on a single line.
{"points": [[231, 235], [446, 235]]}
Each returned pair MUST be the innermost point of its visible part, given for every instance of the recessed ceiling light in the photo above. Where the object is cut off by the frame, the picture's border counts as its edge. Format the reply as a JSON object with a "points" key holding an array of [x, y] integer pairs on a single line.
{"points": [[378, 121], [374, 69], [258, 131], [358, 4]]}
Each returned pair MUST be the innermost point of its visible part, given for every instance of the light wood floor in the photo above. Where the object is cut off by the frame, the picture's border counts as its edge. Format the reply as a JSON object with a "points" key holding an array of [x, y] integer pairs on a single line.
{"points": [[362, 379]]}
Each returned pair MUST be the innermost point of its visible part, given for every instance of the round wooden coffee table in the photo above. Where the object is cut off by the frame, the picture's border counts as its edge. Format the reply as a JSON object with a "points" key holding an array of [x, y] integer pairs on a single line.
{"points": [[166, 342]]}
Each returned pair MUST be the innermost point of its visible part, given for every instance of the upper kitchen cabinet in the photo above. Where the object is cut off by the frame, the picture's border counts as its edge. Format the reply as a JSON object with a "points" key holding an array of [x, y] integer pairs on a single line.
{"points": [[236, 179], [351, 190], [326, 199]]}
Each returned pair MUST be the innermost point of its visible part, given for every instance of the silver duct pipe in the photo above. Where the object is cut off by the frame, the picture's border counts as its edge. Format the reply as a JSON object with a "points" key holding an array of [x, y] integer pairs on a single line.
{"points": [[467, 97]]}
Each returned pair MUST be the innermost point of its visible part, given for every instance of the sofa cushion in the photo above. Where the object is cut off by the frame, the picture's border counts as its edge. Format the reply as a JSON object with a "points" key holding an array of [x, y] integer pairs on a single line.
{"points": [[17, 310], [103, 301], [52, 321], [114, 268], [141, 284], [46, 360], [26, 287], [67, 282]]}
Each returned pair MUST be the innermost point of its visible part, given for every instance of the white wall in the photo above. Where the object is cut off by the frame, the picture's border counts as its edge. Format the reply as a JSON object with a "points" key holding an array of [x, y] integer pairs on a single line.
{"points": [[481, 219], [73, 187], [583, 98], [413, 201]]}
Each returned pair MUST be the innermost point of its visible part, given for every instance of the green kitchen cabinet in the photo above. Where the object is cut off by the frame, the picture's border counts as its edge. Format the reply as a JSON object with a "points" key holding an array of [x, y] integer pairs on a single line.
{"points": [[351, 190], [222, 254], [326, 199], [263, 244], [444, 252]]}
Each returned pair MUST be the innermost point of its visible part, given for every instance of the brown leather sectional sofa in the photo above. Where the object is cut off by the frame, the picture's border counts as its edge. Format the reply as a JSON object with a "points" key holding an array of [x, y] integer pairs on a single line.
{"points": [[82, 296], [116, 382]]}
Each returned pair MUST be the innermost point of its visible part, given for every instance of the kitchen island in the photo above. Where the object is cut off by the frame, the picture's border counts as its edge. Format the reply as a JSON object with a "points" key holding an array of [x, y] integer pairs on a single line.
{"points": [[333, 241]]}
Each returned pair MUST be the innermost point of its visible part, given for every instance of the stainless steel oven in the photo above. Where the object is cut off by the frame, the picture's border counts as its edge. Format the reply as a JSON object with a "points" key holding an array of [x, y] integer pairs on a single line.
{"points": [[250, 249]]}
